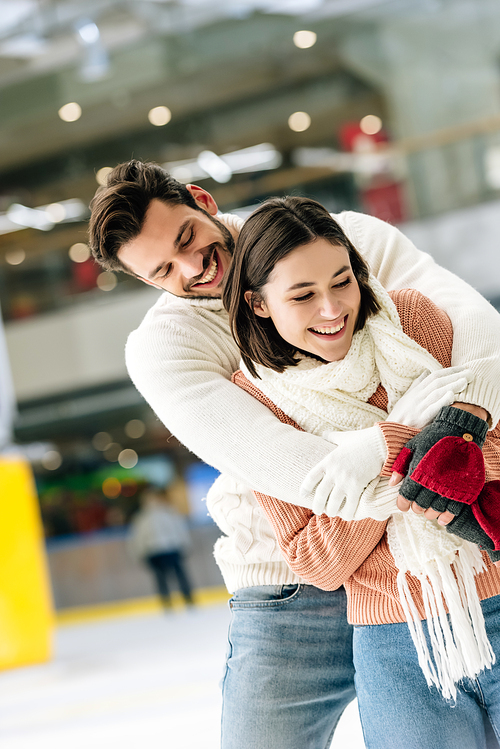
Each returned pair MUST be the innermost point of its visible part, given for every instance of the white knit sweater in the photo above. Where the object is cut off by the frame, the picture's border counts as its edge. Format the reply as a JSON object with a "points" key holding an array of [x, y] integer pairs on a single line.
{"points": [[182, 356]]}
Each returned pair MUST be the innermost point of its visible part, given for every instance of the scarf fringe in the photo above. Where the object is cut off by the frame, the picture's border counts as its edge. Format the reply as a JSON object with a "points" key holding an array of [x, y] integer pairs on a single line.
{"points": [[459, 645]]}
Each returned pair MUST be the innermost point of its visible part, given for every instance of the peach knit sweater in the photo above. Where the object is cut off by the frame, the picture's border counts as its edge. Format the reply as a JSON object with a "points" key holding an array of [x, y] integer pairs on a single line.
{"points": [[329, 552]]}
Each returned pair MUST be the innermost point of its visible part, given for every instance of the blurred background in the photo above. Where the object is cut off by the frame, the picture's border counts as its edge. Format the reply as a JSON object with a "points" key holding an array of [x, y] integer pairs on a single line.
{"points": [[391, 107]]}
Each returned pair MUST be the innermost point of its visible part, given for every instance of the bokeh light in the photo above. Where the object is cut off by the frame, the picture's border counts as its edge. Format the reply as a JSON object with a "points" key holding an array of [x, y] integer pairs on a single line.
{"points": [[128, 458], [135, 428], [52, 460], [15, 257], [102, 175], [79, 252], [106, 281], [101, 441], [159, 116], [70, 112], [111, 488], [371, 124], [304, 39], [299, 121]]}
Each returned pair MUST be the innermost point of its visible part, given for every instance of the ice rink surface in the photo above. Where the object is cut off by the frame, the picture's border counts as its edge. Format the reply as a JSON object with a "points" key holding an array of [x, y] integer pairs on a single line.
{"points": [[139, 681]]}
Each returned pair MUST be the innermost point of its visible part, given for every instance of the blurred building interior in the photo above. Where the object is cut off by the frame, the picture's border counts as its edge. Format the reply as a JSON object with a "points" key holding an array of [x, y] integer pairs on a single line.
{"points": [[391, 107]]}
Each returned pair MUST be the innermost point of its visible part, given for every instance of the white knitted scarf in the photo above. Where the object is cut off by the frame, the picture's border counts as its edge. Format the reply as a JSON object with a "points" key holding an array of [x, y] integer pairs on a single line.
{"points": [[321, 397]]}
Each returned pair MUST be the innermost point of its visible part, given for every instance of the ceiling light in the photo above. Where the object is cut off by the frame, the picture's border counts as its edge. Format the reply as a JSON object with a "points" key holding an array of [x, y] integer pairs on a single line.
{"points": [[79, 252], [252, 159], [15, 257], [44, 216], [88, 32], [304, 39], [29, 217], [371, 124], [299, 121], [56, 212], [159, 116], [215, 166], [70, 112]]}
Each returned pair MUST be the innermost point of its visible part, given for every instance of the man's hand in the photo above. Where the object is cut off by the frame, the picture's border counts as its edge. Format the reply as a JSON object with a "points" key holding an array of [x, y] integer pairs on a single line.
{"points": [[427, 395]]}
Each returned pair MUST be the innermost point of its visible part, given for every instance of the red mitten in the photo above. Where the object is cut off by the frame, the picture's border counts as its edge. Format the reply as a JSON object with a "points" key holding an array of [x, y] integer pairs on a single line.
{"points": [[453, 468], [487, 511]]}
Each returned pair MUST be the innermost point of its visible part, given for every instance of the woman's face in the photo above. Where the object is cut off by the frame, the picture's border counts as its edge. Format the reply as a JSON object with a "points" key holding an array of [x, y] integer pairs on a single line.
{"points": [[313, 299]]}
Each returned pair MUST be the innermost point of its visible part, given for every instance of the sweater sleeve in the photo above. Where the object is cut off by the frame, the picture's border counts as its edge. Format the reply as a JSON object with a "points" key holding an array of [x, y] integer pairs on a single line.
{"points": [[397, 263], [324, 551]]}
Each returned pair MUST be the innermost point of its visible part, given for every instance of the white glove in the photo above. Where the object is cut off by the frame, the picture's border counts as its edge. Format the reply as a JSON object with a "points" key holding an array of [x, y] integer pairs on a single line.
{"points": [[338, 480], [428, 394]]}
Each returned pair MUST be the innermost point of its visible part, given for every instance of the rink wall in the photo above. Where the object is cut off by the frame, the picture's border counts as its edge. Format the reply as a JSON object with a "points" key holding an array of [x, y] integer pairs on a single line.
{"points": [[97, 568]]}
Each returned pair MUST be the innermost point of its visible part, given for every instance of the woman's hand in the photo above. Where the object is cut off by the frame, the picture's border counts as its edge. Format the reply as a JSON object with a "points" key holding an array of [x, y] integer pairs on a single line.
{"points": [[443, 518]]}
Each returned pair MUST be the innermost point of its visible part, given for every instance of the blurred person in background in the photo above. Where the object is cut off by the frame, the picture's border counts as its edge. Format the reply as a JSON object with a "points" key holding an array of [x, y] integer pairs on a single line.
{"points": [[291, 679], [159, 537]]}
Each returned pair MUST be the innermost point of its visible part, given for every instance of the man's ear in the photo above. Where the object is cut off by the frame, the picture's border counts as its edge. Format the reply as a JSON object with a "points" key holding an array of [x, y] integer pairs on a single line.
{"points": [[204, 199], [256, 303]]}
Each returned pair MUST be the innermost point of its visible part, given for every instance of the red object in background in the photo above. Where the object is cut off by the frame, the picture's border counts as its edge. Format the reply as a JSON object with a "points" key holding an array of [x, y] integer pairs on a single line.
{"points": [[85, 275], [384, 201], [351, 137], [381, 196]]}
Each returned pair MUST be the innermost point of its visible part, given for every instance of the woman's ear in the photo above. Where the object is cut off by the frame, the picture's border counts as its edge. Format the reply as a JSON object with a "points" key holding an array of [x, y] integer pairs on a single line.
{"points": [[256, 303], [203, 199]]}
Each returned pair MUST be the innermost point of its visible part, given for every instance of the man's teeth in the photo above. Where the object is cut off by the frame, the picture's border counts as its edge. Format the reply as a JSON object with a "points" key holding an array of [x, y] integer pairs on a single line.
{"points": [[329, 331], [211, 273]]}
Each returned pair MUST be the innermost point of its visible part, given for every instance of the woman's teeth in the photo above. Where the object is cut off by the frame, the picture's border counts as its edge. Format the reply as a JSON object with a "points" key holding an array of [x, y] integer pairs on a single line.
{"points": [[210, 273], [329, 331]]}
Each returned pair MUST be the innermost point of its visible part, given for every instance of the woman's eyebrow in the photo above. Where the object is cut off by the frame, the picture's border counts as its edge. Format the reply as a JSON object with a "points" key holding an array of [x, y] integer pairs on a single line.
{"points": [[303, 284]]}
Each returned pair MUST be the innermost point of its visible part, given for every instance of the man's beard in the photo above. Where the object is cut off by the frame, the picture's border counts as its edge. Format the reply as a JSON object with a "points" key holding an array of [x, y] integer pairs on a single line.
{"points": [[226, 244]]}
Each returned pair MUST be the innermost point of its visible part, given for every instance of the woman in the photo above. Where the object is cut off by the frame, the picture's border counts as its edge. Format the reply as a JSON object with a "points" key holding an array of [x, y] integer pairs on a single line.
{"points": [[300, 298]]}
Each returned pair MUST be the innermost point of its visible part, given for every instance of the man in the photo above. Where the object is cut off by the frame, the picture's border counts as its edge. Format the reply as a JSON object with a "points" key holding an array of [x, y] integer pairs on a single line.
{"points": [[181, 359]]}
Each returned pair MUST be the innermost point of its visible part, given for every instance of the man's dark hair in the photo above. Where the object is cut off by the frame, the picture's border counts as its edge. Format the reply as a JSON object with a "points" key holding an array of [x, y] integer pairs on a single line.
{"points": [[118, 210], [269, 234]]}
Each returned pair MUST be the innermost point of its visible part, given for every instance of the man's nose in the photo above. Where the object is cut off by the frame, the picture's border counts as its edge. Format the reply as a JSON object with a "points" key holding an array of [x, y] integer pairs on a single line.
{"points": [[191, 263]]}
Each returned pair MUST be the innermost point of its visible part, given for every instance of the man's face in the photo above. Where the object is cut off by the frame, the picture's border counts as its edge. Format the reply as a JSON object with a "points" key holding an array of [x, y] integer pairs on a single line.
{"points": [[180, 250]]}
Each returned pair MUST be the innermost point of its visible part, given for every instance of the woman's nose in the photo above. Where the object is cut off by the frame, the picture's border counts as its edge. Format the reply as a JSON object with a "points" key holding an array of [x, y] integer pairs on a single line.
{"points": [[330, 307]]}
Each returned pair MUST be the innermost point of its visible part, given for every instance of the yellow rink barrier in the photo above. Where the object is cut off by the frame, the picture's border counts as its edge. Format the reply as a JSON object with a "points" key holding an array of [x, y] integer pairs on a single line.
{"points": [[138, 606], [26, 609]]}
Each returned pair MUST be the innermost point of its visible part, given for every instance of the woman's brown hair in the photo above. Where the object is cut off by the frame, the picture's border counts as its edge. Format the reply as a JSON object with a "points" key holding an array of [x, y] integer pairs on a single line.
{"points": [[270, 233]]}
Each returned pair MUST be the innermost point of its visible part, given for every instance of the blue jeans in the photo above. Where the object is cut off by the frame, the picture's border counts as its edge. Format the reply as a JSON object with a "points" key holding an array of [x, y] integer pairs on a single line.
{"points": [[398, 709], [289, 671]]}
